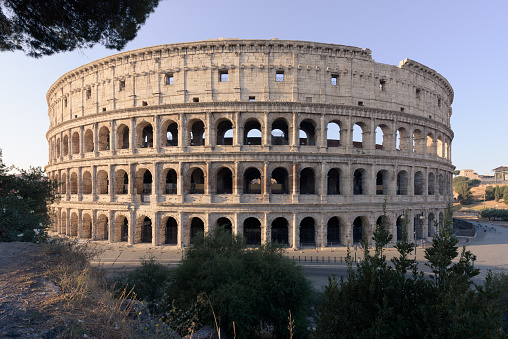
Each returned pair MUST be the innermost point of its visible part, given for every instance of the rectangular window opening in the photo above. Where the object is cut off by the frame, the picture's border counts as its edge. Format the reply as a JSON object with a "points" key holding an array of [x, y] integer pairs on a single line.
{"points": [[88, 93], [75, 115], [195, 99], [334, 79], [65, 102], [382, 85], [279, 76], [104, 109], [439, 102], [252, 98], [418, 93], [402, 109], [223, 75], [121, 86], [308, 99], [169, 79], [360, 103], [144, 103]]}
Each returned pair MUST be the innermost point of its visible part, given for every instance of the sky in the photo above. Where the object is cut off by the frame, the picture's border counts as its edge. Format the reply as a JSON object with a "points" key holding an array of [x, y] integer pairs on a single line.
{"points": [[465, 41]]}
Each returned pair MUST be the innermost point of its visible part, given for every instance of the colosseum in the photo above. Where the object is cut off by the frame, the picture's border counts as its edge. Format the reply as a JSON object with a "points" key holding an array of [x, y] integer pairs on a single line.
{"points": [[290, 141]]}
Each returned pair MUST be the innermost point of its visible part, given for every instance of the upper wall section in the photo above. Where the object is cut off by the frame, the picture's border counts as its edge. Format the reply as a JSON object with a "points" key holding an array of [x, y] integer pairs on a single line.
{"points": [[243, 70]]}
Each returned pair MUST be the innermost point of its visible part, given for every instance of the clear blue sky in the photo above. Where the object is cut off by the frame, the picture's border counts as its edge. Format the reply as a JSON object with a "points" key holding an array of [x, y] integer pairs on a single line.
{"points": [[465, 41]]}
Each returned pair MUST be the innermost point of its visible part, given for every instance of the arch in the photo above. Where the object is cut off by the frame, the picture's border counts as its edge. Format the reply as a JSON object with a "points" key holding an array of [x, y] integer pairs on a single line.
{"points": [[122, 137], [446, 150], [441, 184], [419, 183], [430, 144], [89, 141], [333, 134], [122, 228], [417, 141], [86, 222], [280, 231], [359, 180], [197, 182], [102, 182], [307, 181], [104, 139], [197, 226], [418, 225], [382, 178], [74, 225], [440, 146], [252, 133], [143, 181], [358, 229], [224, 181], [170, 186], [171, 137], [63, 184], [307, 232], [359, 130], [75, 143], [401, 143], [252, 231], [87, 183], [333, 181], [197, 133], [65, 145], [146, 140], [225, 223], [382, 136], [308, 129], [280, 181], [280, 132], [402, 183], [121, 182], [144, 227], [74, 183], [63, 224], [171, 234], [400, 225], [431, 229], [333, 230], [225, 133], [431, 183], [252, 181], [102, 227]]}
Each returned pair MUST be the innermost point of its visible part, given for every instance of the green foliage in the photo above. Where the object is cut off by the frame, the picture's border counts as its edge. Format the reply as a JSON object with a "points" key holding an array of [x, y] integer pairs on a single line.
{"points": [[505, 194], [24, 204], [499, 283], [462, 186], [489, 193], [254, 288], [459, 180], [497, 193], [378, 300], [474, 183], [456, 172], [39, 27], [494, 213]]}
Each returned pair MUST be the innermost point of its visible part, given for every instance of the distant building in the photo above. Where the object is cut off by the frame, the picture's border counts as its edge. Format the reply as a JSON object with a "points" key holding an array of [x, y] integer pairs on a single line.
{"points": [[468, 173], [501, 173]]}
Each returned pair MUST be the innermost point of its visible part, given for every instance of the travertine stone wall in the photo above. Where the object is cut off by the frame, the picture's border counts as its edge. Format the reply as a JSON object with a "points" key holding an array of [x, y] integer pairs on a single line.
{"points": [[290, 141]]}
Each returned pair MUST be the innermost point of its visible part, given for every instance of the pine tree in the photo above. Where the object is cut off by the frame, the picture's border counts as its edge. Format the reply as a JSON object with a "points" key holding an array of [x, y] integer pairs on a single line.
{"points": [[497, 193]]}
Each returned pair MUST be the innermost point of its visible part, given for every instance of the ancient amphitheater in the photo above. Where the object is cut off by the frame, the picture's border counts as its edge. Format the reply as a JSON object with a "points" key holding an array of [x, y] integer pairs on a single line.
{"points": [[290, 141]]}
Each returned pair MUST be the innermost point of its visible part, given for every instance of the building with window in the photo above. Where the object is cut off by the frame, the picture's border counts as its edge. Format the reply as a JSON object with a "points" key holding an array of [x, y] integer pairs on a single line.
{"points": [[289, 141]]}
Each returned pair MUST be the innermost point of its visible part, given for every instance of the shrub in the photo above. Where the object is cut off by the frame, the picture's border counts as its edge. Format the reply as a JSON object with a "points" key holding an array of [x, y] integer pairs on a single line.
{"points": [[246, 290]]}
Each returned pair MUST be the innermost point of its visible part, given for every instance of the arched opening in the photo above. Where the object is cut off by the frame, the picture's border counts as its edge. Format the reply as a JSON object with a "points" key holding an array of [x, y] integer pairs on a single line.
{"points": [[102, 182], [197, 134], [63, 184], [143, 182], [146, 230], [252, 231], [197, 226], [382, 178], [252, 133], [432, 184], [441, 185], [104, 139], [417, 141], [431, 225], [280, 231], [402, 183], [333, 134], [333, 187], [402, 140], [357, 230], [225, 133], [87, 183], [358, 131], [146, 136], [102, 227], [307, 232], [87, 226], [419, 183], [170, 186], [439, 147], [280, 132], [359, 182], [75, 143], [382, 220], [65, 145], [124, 228], [430, 144], [382, 137], [121, 182], [252, 181], [307, 181], [172, 134], [400, 227], [224, 181], [197, 182], [74, 225], [280, 181], [171, 237], [74, 183], [63, 224], [88, 141], [418, 224], [307, 133], [58, 148], [225, 223], [333, 232], [122, 141]]}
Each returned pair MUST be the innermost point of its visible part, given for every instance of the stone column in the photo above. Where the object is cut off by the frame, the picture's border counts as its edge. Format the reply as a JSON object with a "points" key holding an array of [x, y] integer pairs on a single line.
{"points": [[266, 183], [237, 138], [293, 177], [266, 131], [132, 143]]}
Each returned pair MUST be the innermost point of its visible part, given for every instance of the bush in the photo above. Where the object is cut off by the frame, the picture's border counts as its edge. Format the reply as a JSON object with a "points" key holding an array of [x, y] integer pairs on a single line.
{"points": [[246, 290], [489, 193], [494, 213]]}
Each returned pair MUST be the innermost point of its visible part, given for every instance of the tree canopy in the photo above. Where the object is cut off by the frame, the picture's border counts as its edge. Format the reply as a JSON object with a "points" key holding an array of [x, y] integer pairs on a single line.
{"points": [[40, 27]]}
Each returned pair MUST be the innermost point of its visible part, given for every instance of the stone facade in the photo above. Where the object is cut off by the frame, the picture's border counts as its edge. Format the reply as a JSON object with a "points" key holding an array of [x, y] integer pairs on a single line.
{"points": [[290, 141]]}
